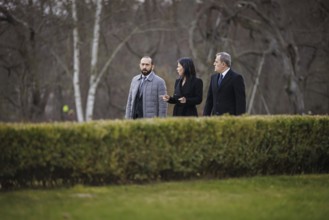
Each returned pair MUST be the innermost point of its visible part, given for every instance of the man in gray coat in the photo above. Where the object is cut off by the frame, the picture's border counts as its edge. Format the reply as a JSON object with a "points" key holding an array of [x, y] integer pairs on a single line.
{"points": [[145, 93]]}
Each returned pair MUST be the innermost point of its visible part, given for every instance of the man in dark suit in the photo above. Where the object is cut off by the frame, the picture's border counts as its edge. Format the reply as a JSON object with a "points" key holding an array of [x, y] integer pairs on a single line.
{"points": [[226, 92]]}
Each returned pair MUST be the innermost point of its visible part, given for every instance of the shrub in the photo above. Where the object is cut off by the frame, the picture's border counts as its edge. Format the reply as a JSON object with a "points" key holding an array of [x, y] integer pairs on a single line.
{"points": [[124, 151]]}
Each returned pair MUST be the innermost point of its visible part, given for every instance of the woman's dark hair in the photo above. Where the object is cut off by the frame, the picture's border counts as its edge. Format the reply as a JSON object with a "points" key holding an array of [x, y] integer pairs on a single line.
{"points": [[188, 66]]}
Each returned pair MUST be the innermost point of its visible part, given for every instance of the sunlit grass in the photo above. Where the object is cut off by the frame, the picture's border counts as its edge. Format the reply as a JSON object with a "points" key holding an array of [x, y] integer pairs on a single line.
{"points": [[278, 197]]}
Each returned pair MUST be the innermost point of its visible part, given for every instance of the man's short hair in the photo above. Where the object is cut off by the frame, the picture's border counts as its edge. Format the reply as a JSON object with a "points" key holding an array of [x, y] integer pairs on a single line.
{"points": [[225, 57], [148, 57]]}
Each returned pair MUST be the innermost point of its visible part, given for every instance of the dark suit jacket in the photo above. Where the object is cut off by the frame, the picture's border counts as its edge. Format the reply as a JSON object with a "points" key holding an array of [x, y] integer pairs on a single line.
{"points": [[229, 98], [192, 91]]}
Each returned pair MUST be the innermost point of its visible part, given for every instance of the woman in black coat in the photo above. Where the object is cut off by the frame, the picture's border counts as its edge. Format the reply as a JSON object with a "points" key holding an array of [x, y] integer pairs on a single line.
{"points": [[188, 89]]}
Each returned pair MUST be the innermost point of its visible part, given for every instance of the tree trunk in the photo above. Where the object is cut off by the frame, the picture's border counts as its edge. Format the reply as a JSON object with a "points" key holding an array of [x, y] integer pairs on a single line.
{"points": [[94, 58], [254, 89], [76, 64], [292, 86]]}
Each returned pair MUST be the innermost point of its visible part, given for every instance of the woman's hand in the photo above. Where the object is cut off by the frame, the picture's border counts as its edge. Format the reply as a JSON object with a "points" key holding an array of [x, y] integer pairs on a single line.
{"points": [[165, 98], [182, 100]]}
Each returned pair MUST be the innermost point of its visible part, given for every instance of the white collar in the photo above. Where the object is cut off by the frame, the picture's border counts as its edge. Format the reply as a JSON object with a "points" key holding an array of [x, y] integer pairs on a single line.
{"points": [[225, 72], [146, 77]]}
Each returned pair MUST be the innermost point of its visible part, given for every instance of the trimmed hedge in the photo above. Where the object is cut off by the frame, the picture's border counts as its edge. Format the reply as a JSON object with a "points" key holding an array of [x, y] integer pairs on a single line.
{"points": [[124, 151]]}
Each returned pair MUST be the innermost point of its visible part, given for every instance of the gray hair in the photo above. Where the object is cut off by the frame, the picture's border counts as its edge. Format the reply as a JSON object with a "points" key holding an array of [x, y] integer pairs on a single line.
{"points": [[225, 57]]}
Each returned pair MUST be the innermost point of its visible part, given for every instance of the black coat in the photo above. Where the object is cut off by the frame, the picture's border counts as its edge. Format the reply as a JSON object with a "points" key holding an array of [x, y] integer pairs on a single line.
{"points": [[229, 98], [192, 91]]}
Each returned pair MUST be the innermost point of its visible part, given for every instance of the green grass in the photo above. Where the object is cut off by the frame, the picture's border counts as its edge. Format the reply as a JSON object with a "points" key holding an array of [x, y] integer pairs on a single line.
{"points": [[276, 197]]}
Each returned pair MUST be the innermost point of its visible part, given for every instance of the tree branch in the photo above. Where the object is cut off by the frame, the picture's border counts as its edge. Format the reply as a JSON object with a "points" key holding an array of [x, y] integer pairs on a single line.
{"points": [[117, 49], [59, 60]]}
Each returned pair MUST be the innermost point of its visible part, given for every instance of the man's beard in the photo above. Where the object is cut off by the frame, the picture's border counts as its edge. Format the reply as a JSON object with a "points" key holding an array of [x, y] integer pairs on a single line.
{"points": [[145, 72]]}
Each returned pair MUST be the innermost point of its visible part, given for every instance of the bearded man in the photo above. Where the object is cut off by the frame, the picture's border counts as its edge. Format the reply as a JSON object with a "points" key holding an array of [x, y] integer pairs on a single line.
{"points": [[146, 92]]}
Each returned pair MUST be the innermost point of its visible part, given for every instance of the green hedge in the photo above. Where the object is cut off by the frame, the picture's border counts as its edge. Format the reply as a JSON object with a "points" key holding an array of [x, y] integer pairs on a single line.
{"points": [[124, 151]]}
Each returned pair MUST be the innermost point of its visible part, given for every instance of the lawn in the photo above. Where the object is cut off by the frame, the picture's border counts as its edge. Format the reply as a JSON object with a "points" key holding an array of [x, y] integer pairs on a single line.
{"points": [[274, 197]]}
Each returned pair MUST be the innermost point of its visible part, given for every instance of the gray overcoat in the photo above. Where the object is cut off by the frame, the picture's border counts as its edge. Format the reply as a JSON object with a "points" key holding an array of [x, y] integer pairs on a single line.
{"points": [[153, 105]]}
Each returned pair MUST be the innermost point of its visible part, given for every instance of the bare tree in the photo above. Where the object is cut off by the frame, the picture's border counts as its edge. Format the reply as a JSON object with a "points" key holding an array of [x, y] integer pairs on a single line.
{"points": [[54, 55], [216, 25], [32, 98], [76, 61], [95, 75]]}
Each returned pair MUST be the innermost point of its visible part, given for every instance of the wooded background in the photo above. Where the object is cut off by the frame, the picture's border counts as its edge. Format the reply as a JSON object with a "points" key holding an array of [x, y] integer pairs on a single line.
{"points": [[82, 54]]}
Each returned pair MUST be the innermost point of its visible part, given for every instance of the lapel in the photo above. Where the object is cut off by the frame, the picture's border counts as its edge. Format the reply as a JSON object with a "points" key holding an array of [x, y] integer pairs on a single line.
{"points": [[188, 86], [178, 91], [226, 79], [150, 77], [181, 90], [215, 81], [147, 81], [135, 87], [137, 82]]}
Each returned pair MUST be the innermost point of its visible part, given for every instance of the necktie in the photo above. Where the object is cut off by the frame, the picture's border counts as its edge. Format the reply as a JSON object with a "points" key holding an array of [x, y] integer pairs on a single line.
{"points": [[141, 85], [220, 79]]}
